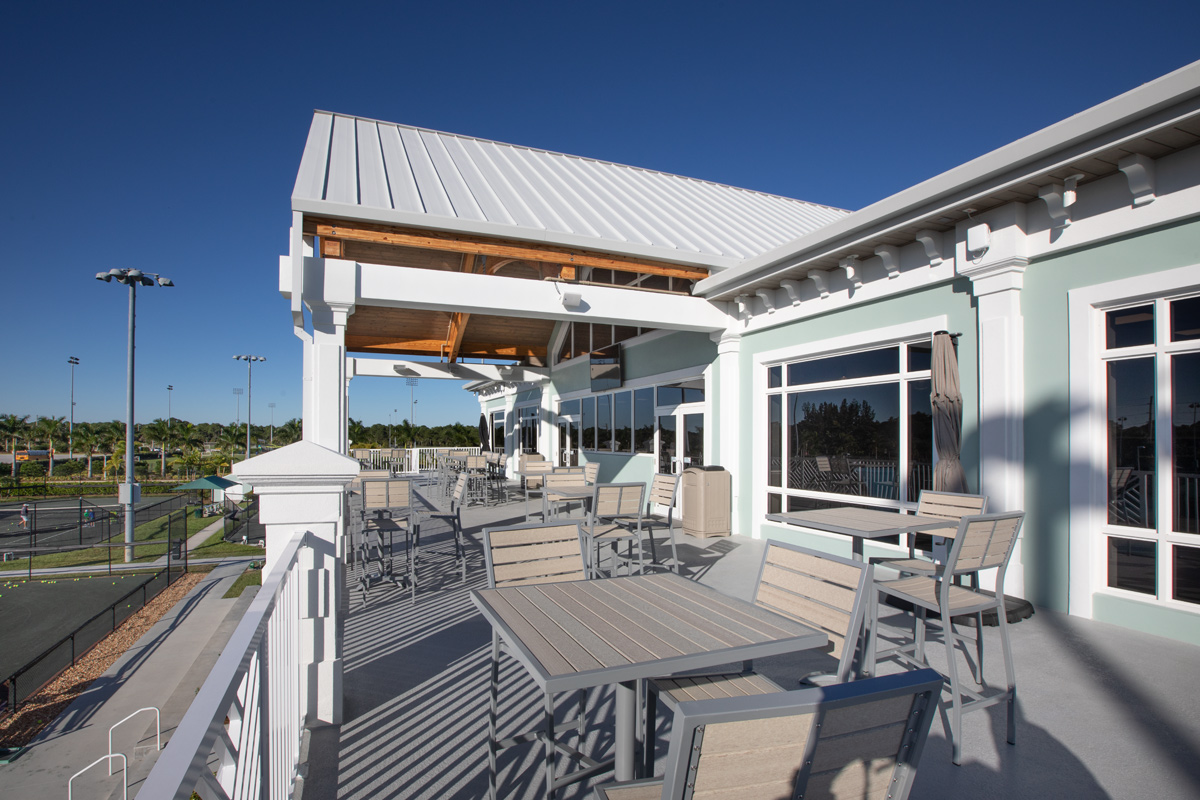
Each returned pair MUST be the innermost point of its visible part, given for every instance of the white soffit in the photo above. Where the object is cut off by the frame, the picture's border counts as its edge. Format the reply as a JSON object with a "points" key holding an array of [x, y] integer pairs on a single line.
{"points": [[394, 174]]}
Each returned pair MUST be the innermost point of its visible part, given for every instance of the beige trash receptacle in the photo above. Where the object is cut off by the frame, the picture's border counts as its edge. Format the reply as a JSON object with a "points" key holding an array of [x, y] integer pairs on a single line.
{"points": [[706, 501]]}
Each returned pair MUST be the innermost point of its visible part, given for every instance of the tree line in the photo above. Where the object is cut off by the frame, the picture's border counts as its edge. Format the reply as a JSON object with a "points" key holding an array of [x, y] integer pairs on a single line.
{"points": [[182, 448]]}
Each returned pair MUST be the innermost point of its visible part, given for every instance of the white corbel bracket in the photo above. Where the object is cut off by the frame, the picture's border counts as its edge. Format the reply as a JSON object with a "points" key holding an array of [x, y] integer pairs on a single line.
{"points": [[932, 241], [793, 290], [1139, 171], [742, 302], [768, 298], [1060, 213], [851, 265], [821, 281], [891, 259]]}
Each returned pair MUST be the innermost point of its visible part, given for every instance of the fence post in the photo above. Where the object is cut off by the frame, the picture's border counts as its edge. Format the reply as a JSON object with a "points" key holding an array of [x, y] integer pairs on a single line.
{"points": [[32, 543], [81, 520]]}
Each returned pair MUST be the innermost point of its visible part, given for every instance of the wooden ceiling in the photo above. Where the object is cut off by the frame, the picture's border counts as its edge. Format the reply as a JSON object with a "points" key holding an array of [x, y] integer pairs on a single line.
{"points": [[451, 336]]}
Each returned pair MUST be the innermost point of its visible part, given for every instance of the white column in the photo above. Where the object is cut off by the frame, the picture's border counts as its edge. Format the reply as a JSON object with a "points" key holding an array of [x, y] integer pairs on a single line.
{"points": [[302, 487], [997, 277], [729, 426], [547, 434]]}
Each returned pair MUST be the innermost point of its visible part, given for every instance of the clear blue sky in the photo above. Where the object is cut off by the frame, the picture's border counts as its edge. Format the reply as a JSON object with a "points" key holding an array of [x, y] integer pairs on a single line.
{"points": [[166, 136]]}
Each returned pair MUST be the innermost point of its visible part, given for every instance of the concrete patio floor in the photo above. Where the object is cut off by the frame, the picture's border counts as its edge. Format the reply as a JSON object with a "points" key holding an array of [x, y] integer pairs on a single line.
{"points": [[1102, 711]]}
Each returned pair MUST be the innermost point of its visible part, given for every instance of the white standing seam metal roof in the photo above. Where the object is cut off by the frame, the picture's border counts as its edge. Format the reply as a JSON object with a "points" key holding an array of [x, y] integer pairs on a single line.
{"points": [[395, 174]]}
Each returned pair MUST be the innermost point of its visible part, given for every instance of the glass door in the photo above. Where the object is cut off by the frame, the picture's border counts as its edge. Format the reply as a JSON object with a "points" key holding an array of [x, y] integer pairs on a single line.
{"points": [[568, 441], [680, 441]]}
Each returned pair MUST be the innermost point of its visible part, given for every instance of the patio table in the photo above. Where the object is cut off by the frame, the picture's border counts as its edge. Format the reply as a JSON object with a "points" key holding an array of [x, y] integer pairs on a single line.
{"points": [[859, 523], [582, 634], [552, 496]]}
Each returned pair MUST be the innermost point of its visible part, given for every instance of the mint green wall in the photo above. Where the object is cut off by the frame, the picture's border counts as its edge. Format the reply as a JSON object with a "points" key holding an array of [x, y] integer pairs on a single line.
{"points": [[1047, 408], [953, 299]]}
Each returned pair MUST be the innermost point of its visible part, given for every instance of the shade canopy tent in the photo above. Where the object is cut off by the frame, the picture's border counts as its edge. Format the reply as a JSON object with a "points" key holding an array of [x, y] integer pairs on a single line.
{"points": [[209, 482]]}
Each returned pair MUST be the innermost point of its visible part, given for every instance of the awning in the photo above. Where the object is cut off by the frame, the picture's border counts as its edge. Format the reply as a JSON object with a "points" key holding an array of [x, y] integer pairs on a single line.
{"points": [[208, 482]]}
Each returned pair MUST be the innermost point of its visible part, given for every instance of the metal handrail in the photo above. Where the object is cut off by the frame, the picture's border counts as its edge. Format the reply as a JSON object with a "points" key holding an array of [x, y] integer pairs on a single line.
{"points": [[157, 730], [182, 765], [124, 776]]}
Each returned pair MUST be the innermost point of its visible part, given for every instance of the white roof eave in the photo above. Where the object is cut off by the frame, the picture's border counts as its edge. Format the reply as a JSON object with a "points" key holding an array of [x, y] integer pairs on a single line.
{"points": [[1157, 95], [349, 211]]}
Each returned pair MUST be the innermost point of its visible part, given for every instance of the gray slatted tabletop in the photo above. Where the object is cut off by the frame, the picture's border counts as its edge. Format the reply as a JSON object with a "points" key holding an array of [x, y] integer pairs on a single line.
{"points": [[859, 523], [552, 496], [615, 631]]}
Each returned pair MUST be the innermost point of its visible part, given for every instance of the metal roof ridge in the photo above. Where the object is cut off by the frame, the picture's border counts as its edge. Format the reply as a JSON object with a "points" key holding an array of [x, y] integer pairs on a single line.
{"points": [[1161, 93], [600, 161]]}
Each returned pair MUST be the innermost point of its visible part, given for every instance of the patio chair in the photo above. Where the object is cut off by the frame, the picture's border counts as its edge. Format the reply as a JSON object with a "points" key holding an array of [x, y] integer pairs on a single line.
{"points": [[824, 591], [477, 472], [559, 479], [457, 498], [534, 474], [981, 542], [393, 499], [834, 475], [524, 555], [615, 516], [591, 471], [852, 740], [660, 510], [949, 506]]}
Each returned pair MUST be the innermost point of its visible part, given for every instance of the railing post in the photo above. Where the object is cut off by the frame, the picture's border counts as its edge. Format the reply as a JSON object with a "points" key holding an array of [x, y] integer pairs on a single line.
{"points": [[264, 715]]}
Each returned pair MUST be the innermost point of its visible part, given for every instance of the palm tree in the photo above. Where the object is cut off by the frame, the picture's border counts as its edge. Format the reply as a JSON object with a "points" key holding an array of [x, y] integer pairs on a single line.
{"points": [[289, 432], [47, 429], [87, 439], [358, 433], [230, 439], [159, 431], [12, 428]]}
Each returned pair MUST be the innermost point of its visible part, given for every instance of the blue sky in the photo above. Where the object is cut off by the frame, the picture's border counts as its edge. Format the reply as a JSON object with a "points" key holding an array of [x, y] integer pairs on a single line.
{"points": [[166, 136]]}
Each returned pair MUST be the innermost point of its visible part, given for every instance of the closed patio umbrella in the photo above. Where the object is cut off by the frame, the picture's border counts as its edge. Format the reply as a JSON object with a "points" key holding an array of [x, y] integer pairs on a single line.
{"points": [[946, 400], [483, 432]]}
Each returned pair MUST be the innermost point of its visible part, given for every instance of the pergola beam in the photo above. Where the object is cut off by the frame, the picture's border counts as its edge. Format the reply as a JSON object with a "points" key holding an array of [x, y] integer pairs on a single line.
{"points": [[334, 230], [496, 295], [433, 370]]}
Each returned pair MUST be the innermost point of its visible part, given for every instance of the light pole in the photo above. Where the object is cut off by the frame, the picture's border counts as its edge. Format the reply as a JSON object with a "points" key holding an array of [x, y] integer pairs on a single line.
{"points": [[130, 491], [73, 361], [169, 390], [272, 407], [237, 392], [249, 363], [412, 382]]}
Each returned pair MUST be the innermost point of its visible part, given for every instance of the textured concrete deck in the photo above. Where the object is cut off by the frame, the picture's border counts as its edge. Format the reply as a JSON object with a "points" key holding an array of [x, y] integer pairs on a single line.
{"points": [[1103, 711]]}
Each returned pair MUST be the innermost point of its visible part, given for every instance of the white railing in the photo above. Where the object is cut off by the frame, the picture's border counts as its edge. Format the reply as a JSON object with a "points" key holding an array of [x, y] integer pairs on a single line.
{"points": [[241, 736], [405, 459]]}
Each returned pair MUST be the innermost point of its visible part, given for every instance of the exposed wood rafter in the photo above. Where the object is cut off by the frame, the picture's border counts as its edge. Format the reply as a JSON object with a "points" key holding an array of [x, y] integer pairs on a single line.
{"points": [[335, 230]]}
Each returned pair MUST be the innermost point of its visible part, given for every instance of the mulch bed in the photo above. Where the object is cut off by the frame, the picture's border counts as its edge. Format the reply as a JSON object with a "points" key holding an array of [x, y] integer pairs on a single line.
{"points": [[20, 728]]}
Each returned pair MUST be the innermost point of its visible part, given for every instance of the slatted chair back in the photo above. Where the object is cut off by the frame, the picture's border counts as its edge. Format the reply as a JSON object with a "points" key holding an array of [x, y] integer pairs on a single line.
{"points": [[984, 542], [618, 501], [663, 489], [476, 463], [375, 494], [460, 491], [591, 471], [521, 555], [564, 480], [859, 740], [535, 473], [528, 458], [950, 506], [820, 590]]}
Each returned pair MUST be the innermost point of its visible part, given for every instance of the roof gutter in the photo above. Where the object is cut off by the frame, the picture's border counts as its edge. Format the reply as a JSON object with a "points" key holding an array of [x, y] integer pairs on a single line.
{"points": [[1158, 95]]}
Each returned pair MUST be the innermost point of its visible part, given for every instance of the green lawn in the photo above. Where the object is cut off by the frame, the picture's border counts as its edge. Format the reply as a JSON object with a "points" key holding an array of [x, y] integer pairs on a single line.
{"points": [[153, 532], [251, 577], [217, 547]]}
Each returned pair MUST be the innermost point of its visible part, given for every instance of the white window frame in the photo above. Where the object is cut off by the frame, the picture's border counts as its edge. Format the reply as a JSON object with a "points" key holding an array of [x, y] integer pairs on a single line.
{"points": [[1089, 434], [874, 339]]}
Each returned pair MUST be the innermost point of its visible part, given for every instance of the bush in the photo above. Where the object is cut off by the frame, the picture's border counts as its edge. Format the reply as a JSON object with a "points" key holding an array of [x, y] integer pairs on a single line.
{"points": [[32, 469], [67, 468]]}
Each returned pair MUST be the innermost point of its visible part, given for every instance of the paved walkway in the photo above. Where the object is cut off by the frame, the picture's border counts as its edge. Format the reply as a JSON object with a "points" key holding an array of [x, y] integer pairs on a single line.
{"points": [[165, 668]]}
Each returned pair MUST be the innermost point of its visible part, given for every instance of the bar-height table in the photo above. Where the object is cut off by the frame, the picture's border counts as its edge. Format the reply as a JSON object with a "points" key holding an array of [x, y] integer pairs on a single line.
{"points": [[859, 523], [619, 630]]}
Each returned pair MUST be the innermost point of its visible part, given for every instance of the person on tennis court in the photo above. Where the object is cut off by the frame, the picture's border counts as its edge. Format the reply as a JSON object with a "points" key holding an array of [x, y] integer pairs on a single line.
{"points": [[24, 515]]}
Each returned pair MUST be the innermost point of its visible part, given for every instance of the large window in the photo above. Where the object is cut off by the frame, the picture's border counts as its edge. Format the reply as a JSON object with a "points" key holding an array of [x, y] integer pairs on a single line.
{"points": [[498, 431], [582, 338], [855, 424], [624, 421], [528, 417], [1151, 359]]}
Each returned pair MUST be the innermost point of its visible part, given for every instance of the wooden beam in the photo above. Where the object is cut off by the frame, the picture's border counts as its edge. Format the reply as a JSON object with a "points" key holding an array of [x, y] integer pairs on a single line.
{"points": [[438, 240], [390, 344], [458, 321]]}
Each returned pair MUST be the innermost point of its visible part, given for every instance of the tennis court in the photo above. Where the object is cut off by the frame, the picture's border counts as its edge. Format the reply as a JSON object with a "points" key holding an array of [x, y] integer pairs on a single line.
{"points": [[36, 614]]}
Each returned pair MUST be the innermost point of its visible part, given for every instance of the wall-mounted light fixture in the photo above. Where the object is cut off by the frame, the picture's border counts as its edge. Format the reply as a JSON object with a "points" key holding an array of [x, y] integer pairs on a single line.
{"points": [[571, 300]]}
